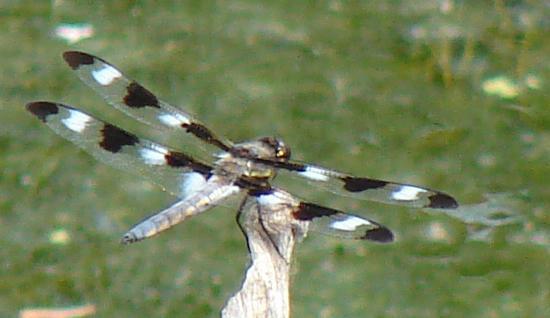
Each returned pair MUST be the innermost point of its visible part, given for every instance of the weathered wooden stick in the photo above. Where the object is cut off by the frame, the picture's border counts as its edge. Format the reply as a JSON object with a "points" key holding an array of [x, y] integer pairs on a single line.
{"points": [[271, 233]]}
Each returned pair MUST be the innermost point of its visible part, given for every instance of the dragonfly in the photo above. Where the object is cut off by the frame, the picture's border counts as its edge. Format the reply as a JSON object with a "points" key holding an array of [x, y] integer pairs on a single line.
{"points": [[246, 168]]}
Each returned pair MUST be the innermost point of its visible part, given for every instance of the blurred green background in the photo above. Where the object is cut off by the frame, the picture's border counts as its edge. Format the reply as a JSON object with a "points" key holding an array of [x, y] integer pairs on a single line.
{"points": [[448, 94]]}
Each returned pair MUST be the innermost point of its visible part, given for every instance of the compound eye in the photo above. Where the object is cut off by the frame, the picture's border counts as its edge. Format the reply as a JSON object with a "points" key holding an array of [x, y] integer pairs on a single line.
{"points": [[283, 153]]}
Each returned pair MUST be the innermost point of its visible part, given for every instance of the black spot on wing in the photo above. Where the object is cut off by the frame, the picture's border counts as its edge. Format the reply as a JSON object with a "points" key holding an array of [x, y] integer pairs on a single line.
{"points": [[203, 133], [441, 200], [74, 59], [290, 166], [42, 109], [179, 159], [381, 235], [114, 138], [253, 191], [138, 96], [256, 187], [353, 184], [309, 211]]}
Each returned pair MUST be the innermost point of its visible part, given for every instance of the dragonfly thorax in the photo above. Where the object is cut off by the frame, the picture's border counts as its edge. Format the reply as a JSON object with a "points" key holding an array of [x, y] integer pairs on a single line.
{"points": [[240, 158]]}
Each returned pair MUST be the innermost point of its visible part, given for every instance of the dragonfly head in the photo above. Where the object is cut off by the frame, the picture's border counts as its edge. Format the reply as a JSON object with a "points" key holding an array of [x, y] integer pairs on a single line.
{"points": [[265, 148], [279, 149]]}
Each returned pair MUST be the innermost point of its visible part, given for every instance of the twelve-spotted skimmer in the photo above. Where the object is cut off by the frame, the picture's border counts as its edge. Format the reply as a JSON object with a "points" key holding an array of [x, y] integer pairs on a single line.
{"points": [[246, 167]]}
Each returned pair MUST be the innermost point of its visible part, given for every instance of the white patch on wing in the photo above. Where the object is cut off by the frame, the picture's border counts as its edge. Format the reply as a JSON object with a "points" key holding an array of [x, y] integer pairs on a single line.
{"points": [[350, 223], [191, 183], [173, 119], [314, 173], [154, 155], [222, 155], [271, 199], [77, 121], [106, 75], [407, 193]]}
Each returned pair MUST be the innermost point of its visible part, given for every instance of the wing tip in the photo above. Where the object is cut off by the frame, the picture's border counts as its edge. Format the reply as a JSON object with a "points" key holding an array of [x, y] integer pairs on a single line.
{"points": [[76, 58], [442, 200], [381, 235], [42, 109]]}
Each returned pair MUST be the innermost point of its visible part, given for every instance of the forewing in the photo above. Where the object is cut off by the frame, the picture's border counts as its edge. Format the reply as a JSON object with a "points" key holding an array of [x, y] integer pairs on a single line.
{"points": [[135, 100], [367, 188], [175, 171]]}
